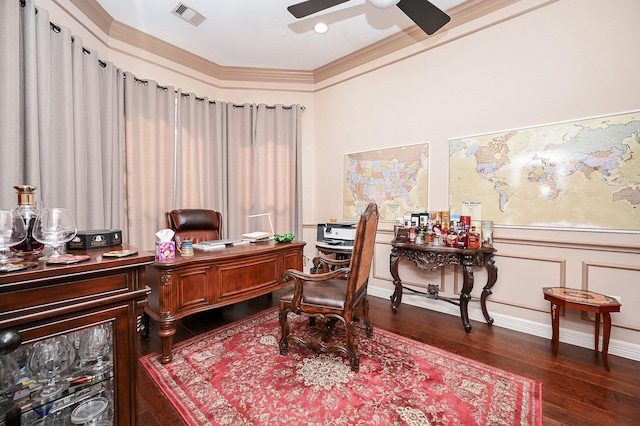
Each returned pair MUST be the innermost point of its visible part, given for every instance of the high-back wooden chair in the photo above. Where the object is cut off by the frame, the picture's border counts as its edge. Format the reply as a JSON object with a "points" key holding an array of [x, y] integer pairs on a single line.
{"points": [[335, 295]]}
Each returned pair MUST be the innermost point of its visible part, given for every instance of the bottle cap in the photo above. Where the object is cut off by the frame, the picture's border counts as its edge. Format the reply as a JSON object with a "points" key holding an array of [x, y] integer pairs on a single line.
{"points": [[25, 194]]}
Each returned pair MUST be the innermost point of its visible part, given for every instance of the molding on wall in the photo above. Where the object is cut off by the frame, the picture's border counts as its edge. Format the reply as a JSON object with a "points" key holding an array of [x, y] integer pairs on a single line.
{"points": [[460, 15], [572, 337], [598, 246]]}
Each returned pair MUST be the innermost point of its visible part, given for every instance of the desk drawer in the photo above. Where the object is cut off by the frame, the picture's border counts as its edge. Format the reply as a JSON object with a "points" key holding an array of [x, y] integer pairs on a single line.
{"points": [[242, 278]]}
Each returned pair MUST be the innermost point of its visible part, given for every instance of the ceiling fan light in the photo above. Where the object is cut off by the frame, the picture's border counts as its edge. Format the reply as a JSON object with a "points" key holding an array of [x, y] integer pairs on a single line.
{"points": [[320, 28], [383, 4]]}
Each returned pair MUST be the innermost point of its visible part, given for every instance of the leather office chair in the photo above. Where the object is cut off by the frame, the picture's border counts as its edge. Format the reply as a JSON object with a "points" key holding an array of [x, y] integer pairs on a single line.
{"points": [[336, 295], [195, 224]]}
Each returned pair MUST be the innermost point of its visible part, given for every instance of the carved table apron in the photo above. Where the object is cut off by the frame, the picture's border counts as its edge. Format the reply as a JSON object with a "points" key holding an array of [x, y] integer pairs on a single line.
{"points": [[431, 258]]}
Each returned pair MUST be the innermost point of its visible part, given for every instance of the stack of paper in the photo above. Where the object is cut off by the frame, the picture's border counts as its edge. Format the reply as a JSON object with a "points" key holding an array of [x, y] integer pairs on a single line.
{"points": [[258, 235]]}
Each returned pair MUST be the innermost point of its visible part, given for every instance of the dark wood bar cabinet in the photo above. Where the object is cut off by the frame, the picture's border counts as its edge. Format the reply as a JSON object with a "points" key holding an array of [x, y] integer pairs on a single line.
{"points": [[63, 303]]}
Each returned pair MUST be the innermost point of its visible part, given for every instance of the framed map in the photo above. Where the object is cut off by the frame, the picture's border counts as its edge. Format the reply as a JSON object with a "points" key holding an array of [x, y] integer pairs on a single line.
{"points": [[579, 174], [397, 179]]}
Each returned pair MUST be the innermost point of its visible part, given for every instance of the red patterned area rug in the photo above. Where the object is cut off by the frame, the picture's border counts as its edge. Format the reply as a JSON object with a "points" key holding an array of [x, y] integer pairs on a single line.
{"points": [[235, 375]]}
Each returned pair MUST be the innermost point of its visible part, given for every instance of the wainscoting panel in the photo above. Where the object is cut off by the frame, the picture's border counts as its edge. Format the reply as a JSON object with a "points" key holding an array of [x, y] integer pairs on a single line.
{"points": [[409, 274], [620, 281], [521, 278]]}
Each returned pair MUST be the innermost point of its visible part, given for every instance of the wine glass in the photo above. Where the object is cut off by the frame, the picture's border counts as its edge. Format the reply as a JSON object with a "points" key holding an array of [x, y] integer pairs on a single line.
{"points": [[9, 374], [54, 227], [9, 370], [95, 344], [12, 232], [48, 359]]}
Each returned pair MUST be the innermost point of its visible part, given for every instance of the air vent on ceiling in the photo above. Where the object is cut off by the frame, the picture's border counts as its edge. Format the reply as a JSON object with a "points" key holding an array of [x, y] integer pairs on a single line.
{"points": [[188, 14]]}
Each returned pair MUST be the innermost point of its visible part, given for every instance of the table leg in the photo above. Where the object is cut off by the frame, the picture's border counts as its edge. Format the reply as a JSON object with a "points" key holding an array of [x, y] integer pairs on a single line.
{"points": [[396, 297], [167, 330], [606, 316], [555, 326], [597, 333], [492, 277], [465, 294]]}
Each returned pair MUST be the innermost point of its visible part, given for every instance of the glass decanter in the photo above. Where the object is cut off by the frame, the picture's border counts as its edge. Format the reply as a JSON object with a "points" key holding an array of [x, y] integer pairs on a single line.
{"points": [[29, 211]]}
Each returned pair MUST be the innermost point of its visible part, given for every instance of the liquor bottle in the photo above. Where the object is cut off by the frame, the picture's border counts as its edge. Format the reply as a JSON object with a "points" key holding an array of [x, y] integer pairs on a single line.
{"points": [[28, 210], [438, 236], [463, 236], [474, 238], [452, 237], [437, 228]]}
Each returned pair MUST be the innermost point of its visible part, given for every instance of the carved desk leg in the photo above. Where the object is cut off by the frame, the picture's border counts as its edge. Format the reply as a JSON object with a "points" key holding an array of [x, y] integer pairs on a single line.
{"points": [[467, 287], [167, 330], [396, 297], [492, 277]]}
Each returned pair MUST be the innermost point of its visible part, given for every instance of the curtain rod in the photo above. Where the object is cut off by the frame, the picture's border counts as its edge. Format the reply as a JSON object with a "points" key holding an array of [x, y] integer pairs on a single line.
{"points": [[57, 29]]}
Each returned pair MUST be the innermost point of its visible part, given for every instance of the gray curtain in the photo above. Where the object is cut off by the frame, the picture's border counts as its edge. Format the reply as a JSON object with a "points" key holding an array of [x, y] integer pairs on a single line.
{"points": [[277, 156], [150, 158], [264, 147], [11, 143], [54, 136], [119, 151], [201, 155]]}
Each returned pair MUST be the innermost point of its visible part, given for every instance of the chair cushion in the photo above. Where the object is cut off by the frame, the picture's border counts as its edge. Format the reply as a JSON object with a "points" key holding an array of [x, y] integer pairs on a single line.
{"points": [[330, 294], [194, 219]]}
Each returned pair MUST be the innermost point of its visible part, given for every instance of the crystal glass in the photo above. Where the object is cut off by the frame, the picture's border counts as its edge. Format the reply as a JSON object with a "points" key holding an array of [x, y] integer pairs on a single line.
{"points": [[95, 344], [54, 227], [9, 374], [47, 360], [12, 232]]}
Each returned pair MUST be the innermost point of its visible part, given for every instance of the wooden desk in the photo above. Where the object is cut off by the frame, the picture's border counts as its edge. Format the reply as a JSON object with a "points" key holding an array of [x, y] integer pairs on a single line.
{"points": [[48, 301], [213, 279], [431, 258]]}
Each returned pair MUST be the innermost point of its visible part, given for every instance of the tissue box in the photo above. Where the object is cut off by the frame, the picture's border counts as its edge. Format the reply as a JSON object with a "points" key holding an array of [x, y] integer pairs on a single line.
{"points": [[101, 238], [165, 250]]}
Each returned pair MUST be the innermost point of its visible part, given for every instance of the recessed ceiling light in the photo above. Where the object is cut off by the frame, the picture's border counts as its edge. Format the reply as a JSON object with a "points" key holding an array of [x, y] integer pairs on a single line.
{"points": [[320, 28]]}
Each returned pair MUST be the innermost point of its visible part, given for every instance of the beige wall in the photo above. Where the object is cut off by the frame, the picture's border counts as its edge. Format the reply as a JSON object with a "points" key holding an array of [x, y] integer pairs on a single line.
{"points": [[565, 60], [534, 62]]}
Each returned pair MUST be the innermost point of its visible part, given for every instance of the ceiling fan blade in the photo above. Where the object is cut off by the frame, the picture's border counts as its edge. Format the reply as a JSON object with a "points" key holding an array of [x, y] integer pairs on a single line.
{"points": [[310, 7], [424, 14]]}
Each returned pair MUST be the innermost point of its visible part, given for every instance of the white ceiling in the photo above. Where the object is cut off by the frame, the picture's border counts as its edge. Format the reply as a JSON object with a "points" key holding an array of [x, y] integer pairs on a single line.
{"points": [[262, 33]]}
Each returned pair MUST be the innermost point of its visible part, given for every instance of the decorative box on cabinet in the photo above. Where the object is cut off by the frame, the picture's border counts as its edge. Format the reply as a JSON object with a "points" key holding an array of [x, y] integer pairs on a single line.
{"points": [[62, 302]]}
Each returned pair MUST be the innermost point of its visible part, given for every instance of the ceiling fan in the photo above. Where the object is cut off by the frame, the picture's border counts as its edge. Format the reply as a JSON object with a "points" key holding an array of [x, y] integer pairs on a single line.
{"points": [[427, 16]]}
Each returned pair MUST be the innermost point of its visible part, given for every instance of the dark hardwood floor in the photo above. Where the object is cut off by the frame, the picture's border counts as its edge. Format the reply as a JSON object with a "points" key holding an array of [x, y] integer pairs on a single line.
{"points": [[576, 389]]}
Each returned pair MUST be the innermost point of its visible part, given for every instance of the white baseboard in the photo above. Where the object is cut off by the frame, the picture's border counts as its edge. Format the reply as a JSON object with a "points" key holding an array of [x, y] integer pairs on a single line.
{"points": [[572, 337]]}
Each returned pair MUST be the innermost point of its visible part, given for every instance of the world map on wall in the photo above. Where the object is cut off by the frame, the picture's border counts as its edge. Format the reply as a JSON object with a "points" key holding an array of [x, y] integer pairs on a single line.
{"points": [[396, 179], [580, 174]]}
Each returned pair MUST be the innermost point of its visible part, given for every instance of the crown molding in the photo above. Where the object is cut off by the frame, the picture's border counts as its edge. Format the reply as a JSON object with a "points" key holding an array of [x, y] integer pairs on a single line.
{"points": [[92, 10], [464, 13], [461, 14]]}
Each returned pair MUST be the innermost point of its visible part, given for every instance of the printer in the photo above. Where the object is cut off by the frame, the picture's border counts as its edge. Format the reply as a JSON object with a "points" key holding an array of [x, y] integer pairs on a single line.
{"points": [[337, 233]]}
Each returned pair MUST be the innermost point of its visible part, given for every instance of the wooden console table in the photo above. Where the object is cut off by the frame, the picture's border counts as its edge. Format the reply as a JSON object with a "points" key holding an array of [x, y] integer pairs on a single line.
{"points": [[213, 279], [430, 258]]}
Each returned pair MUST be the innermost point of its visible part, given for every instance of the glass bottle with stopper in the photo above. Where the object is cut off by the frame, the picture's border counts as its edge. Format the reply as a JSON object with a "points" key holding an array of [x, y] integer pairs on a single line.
{"points": [[29, 212]]}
